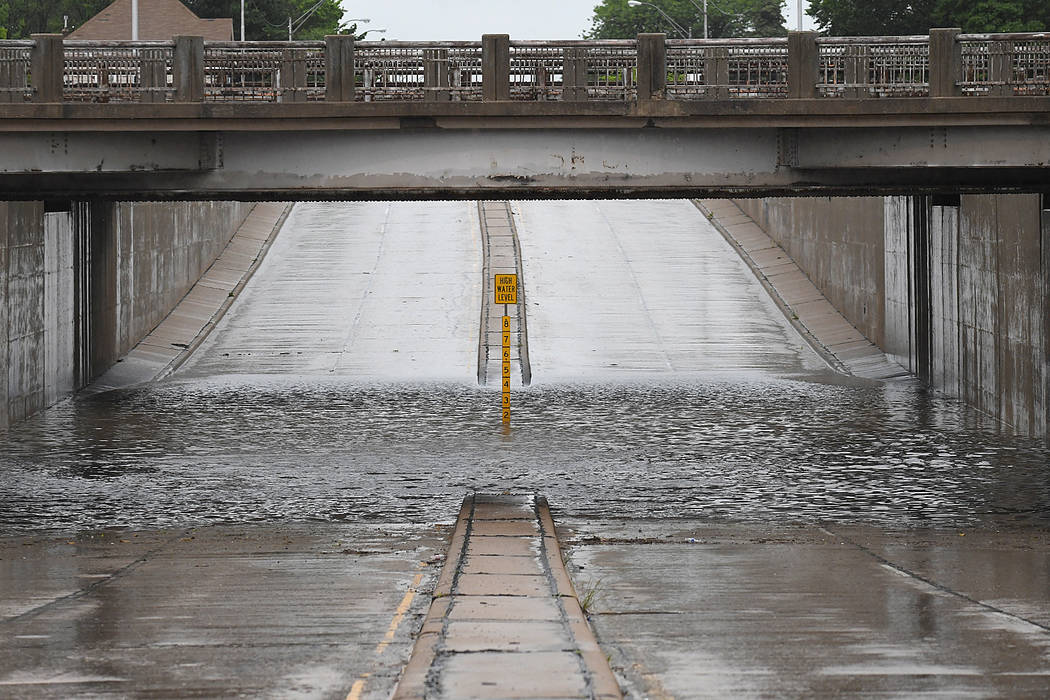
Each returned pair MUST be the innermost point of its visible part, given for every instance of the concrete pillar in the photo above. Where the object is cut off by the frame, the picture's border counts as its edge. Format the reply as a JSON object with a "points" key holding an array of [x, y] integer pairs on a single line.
{"points": [[1045, 266], [1001, 67], [945, 63], [103, 288], [920, 248], [803, 64], [189, 69], [716, 72], [574, 75], [5, 276], [339, 68], [292, 79], [81, 293], [153, 79], [857, 68], [495, 67], [435, 75], [652, 67], [47, 65]]}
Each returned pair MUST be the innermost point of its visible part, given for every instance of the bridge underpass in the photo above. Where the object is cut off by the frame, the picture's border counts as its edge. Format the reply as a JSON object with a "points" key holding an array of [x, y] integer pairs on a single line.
{"points": [[676, 422], [270, 519]]}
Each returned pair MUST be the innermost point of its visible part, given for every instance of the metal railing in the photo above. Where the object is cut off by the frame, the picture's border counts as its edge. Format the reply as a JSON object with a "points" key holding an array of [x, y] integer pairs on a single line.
{"points": [[726, 68], [536, 71], [874, 66], [15, 59]]}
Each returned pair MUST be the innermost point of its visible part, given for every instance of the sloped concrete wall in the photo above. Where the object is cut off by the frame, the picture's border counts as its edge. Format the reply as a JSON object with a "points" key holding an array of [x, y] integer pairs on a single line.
{"points": [[81, 286], [954, 290], [838, 242]]}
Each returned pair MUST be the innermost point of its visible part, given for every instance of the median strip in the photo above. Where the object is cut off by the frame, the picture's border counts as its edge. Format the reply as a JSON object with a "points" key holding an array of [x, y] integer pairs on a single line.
{"points": [[505, 620]]}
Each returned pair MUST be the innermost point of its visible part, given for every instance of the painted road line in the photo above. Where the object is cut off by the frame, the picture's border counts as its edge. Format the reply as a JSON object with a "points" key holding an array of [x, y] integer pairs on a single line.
{"points": [[399, 615], [402, 609]]}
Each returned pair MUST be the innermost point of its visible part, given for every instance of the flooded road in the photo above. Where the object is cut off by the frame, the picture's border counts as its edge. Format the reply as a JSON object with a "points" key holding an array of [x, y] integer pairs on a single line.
{"points": [[339, 389]]}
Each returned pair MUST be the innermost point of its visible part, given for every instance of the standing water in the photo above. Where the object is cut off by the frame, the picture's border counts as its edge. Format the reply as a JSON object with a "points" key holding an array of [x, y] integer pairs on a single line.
{"points": [[340, 387]]}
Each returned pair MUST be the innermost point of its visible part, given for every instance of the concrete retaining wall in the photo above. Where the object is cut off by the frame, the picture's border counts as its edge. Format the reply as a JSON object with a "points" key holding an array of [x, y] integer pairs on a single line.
{"points": [[81, 283], [954, 289], [832, 240]]}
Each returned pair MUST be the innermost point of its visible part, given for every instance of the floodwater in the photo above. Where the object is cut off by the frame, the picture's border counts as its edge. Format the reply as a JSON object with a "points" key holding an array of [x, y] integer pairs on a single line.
{"points": [[338, 388]]}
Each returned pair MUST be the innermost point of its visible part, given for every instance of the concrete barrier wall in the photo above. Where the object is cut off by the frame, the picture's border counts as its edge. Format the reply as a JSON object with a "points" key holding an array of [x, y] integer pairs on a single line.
{"points": [[954, 289], [81, 285]]}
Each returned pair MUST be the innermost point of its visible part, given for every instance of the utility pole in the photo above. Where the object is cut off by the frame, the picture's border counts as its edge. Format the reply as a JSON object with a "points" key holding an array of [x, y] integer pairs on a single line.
{"points": [[242, 20], [798, 4], [134, 20], [705, 19]]}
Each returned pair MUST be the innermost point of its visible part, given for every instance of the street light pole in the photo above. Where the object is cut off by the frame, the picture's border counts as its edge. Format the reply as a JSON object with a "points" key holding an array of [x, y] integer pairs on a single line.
{"points": [[703, 11], [134, 20], [242, 19], [674, 25]]}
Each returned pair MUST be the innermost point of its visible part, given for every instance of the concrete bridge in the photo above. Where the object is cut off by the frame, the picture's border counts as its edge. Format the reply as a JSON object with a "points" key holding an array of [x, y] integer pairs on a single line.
{"points": [[190, 119]]}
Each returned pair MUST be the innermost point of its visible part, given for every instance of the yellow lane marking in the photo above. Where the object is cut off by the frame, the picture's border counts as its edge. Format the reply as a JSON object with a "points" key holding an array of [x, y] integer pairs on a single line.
{"points": [[359, 685], [399, 615], [357, 688]]}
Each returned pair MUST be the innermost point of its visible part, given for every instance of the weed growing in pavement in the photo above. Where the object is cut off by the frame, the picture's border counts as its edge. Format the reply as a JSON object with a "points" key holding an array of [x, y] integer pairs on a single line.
{"points": [[590, 597]]}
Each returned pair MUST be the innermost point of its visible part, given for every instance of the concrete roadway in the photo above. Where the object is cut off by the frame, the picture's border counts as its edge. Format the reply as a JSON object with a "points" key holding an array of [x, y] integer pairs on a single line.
{"points": [[685, 609], [706, 610]]}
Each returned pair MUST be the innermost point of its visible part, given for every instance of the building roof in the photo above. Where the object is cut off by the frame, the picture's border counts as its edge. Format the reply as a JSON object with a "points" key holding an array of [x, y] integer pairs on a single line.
{"points": [[158, 20]]}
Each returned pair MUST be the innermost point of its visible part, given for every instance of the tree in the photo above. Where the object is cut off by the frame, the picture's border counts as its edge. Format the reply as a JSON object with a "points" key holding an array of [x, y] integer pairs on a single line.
{"points": [[267, 20], [901, 17], [20, 18], [615, 19]]}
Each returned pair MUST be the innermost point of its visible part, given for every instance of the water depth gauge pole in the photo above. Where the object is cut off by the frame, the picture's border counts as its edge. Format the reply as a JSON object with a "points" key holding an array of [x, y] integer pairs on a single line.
{"points": [[506, 293]]}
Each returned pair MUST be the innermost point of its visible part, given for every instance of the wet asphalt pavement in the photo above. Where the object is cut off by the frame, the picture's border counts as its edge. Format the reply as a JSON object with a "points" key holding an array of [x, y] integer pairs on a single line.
{"points": [[338, 393]]}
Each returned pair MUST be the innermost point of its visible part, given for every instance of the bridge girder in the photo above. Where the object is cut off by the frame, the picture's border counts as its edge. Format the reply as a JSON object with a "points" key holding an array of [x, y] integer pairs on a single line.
{"points": [[386, 152]]}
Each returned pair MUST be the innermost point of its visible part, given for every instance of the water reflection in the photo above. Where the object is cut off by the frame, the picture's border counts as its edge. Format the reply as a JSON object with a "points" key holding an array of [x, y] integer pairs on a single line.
{"points": [[740, 447]]}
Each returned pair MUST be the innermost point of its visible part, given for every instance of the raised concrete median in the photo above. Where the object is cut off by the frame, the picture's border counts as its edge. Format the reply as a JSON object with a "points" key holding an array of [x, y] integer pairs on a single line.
{"points": [[505, 621]]}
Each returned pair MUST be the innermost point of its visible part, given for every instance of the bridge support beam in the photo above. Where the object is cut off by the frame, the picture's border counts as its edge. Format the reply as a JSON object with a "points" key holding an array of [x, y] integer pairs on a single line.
{"points": [[102, 283]]}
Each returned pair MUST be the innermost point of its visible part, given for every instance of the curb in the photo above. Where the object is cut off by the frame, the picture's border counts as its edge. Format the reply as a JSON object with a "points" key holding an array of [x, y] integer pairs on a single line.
{"points": [[603, 681], [413, 682], [225, 306]]}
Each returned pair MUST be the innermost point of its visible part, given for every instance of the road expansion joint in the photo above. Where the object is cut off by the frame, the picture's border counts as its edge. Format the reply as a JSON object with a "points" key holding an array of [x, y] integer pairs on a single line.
{"points": [[95, 585], [505, 620], [904, 571]]}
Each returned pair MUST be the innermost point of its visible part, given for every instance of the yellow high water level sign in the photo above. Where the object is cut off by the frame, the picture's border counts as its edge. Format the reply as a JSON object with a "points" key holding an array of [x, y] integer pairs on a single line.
{"points": [[506, 289]]}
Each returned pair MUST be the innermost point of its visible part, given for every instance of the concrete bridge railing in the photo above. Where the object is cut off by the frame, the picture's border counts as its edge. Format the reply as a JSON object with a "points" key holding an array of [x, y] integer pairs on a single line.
{"points": [[945, 63]]}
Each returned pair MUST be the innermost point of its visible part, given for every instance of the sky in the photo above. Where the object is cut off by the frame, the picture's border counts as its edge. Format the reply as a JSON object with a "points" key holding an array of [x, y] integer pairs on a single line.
{"points": [[418, 20]]}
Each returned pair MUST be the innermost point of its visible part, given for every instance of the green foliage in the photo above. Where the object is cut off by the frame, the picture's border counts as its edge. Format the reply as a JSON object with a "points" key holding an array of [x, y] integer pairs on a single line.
{"points": [[264, 19], [615, 19], [267, 20], [901, 17], [20, 18]]}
